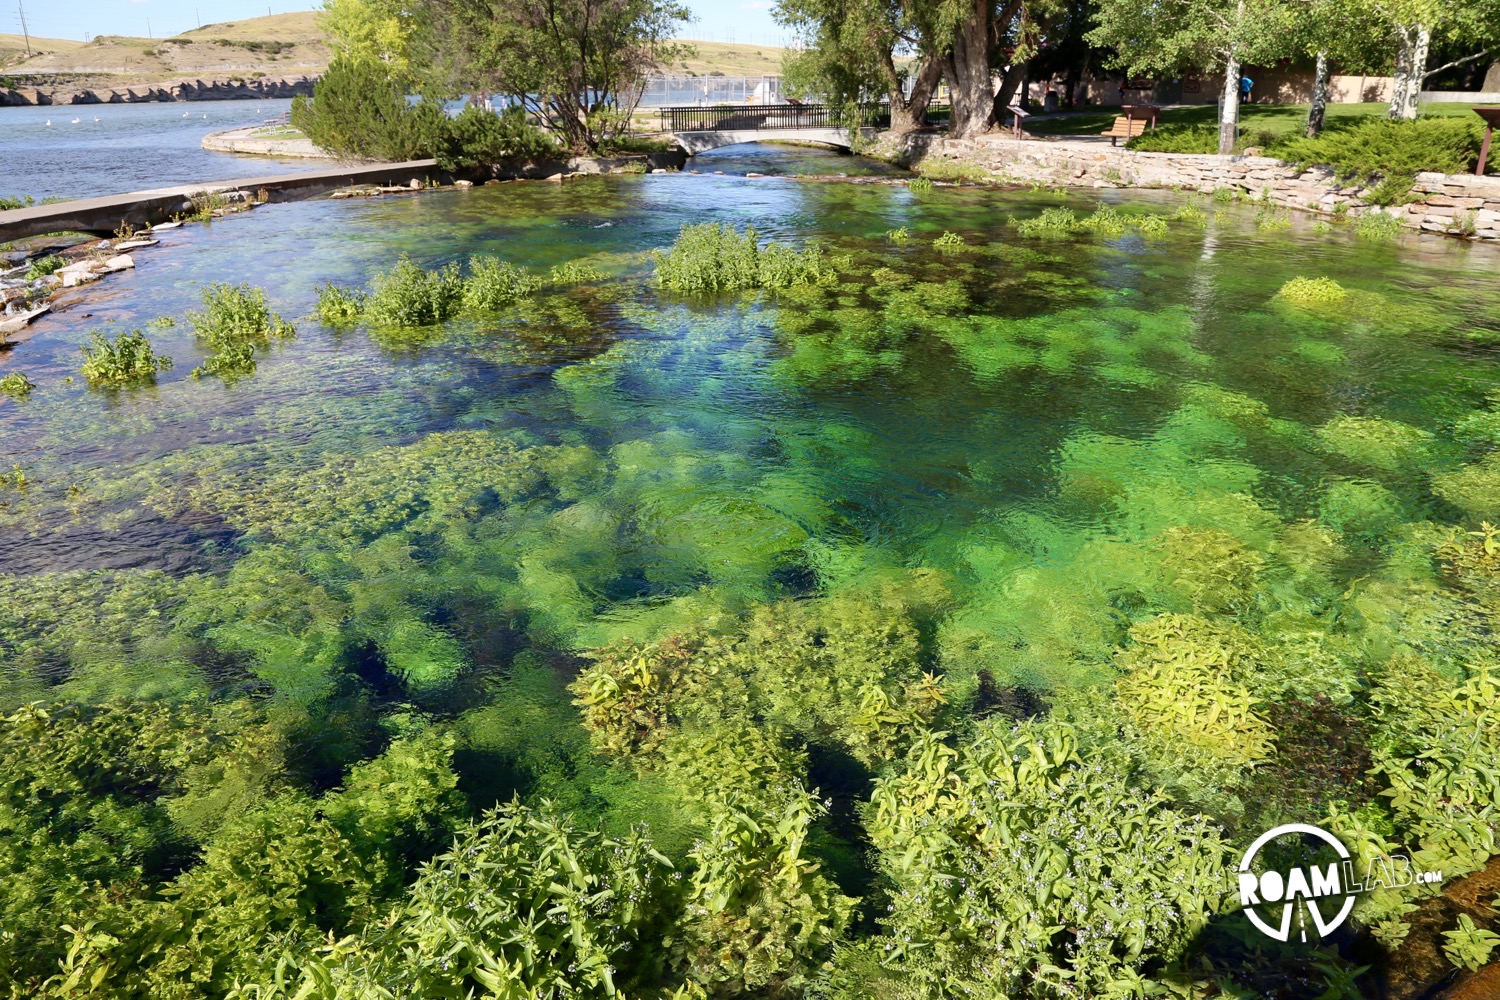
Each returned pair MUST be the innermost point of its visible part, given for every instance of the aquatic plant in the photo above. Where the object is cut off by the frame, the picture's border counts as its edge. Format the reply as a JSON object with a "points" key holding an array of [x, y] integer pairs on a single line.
{"points": [[717, 258], [1473, 489], [494, 284], [1190, 213], [409, 296], [949, 241], [43, 266], [1273, 220], [1384, 444], [125, 359], [1380, 227], [1106, 220], [1186, 683], [1052, 222], [1312, 292], [898, 235], [9, 203], [575, 272], [16, 385], [919, 185], [339, 306], [207, 204], [1013, 803], [235, 323]]}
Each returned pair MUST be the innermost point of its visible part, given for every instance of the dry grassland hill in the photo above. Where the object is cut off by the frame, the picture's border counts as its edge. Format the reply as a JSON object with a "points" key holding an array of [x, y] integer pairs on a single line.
{"points": [[278, 45]]}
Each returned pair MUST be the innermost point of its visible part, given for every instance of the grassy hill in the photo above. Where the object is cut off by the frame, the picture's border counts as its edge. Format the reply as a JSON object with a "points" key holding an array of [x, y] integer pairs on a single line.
{"points": [[277, 45], [729, 59], [13, 47]]}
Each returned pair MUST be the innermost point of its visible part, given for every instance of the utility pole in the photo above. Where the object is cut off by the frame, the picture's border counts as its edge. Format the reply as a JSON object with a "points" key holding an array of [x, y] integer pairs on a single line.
{"points": [[148, 28], [21, 6]]}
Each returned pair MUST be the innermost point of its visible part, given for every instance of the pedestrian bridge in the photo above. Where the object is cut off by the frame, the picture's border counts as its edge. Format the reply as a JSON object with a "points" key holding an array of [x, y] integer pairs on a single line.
{"points": [[697, 130]]}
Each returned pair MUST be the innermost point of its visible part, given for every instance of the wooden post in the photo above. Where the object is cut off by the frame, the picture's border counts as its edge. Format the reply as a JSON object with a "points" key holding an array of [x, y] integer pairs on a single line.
{"points": [[1491, 116]]}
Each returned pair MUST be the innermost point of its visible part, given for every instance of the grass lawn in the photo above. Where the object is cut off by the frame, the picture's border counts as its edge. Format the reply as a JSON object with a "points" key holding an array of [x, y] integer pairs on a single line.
{"points": [[1281, 118]]}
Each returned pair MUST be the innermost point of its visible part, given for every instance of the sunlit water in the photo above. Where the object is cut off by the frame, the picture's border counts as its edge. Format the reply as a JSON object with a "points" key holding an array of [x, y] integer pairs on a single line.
{"points": [[967, 444], [132, 147]]}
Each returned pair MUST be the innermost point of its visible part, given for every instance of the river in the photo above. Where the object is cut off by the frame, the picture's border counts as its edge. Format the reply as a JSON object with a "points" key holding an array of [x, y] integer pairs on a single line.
{"points": [[131, 147]]}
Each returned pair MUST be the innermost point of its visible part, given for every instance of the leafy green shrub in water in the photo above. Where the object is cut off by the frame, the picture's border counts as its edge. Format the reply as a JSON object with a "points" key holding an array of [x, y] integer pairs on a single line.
{"points": [[717, 258], [1273, 220], [1468, 946], [16, 385], [1186, 684], [949, 241], [9, 203], [1381, 227], [1384, 444], [235, 322], [44, 266], [919, 185], [575, 272], [494, 284], [1052, 222], [971, 836], [409, 296], [339, 306], [899, 235], [1313, 292], [123, 360]]}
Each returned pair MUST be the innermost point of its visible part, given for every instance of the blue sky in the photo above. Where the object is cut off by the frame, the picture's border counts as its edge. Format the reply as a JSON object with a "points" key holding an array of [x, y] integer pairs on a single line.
{"points": [[746, 21]]}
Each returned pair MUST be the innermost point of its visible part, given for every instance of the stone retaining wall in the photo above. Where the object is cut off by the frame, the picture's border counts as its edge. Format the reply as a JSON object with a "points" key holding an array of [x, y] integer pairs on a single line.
{"points": [[1453, 204]]}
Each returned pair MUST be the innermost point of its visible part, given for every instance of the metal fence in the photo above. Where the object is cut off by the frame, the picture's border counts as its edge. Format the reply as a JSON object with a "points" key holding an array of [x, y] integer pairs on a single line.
{"points": [[676, 90]]}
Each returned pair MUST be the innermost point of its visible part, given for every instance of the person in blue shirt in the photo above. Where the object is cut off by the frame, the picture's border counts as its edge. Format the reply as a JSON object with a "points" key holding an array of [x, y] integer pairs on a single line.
{"points": [[1247, 85]]}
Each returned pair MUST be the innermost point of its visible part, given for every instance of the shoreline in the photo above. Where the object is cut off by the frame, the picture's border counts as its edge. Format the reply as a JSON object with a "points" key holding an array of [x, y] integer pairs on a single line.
{"points": [[245, 142]]}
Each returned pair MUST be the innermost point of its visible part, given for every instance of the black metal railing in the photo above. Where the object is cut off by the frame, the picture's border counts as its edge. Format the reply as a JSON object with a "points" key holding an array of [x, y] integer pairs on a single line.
{"points": [[764, 117]]}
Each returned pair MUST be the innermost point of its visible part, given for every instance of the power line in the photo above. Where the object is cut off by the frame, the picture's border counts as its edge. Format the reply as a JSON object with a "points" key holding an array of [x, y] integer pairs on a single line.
{"points": [[21, 6]]}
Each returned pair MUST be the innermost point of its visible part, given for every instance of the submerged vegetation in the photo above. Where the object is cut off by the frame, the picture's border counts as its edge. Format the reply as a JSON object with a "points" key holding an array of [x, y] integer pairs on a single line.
{"points": [[941, 624]]}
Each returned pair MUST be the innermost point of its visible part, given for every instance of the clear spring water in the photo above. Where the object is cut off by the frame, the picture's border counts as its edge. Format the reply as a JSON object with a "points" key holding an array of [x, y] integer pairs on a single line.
{"points": [[793, 441]]}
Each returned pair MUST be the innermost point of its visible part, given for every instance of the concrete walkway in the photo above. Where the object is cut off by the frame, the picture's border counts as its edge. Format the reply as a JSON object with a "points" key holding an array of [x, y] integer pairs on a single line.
{"points": [[145, 208]]}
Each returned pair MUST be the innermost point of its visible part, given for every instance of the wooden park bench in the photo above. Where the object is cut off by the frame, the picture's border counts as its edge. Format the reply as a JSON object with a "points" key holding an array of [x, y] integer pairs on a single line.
{"points": [[1133, 122]]}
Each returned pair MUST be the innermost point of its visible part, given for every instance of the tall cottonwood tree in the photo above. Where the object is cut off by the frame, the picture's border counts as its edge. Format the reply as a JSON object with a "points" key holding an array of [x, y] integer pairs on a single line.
{"points": [[576, 65], [1471, 26], [963, 42], [1205, 35]]}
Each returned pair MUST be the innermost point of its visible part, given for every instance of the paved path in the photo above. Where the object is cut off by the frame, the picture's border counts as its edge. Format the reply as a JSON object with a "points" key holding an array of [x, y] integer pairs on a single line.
{"points": [[145, 208]]}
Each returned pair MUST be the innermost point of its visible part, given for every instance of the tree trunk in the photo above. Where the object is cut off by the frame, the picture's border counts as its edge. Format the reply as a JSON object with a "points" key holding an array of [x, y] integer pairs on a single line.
{"points": [[908, 113], [1319, 97], [1229, 108], [1402, 73], [969, 80], [1015, 74], [1416, 73]]}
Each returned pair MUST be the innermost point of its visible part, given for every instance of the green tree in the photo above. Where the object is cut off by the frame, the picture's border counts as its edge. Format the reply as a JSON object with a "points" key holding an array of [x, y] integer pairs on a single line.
{"points": [[1205, 35], [575, 65], [1473, 25]]}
